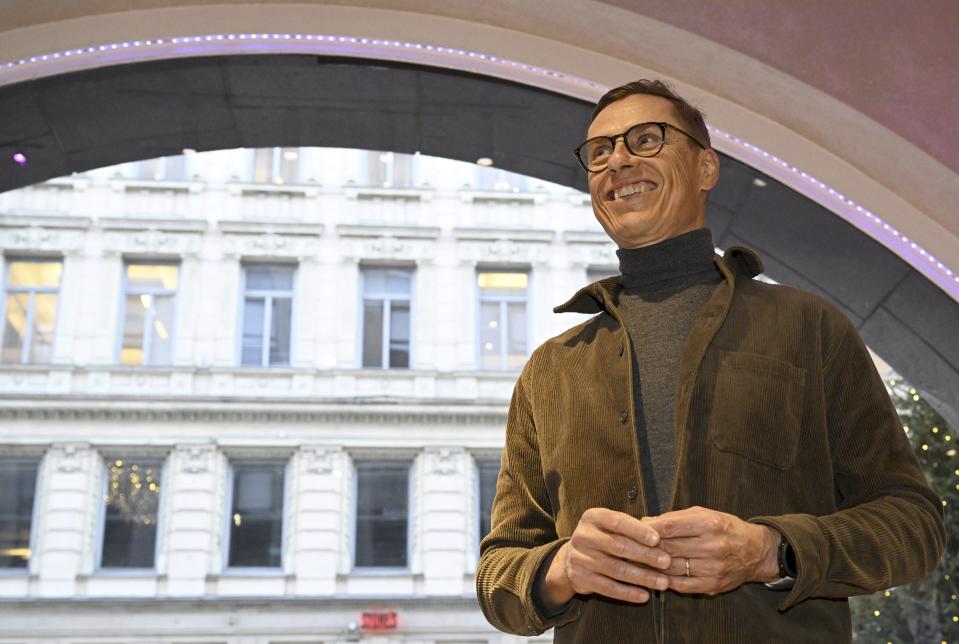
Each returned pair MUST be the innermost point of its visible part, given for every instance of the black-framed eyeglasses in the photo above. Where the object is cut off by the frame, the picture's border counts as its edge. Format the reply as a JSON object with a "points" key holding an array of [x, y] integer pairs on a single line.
{"points": [[642, 140]]}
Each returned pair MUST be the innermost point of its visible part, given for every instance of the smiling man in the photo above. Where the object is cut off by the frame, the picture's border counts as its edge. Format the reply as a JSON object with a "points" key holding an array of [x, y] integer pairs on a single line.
{"points": [[709, 457]]}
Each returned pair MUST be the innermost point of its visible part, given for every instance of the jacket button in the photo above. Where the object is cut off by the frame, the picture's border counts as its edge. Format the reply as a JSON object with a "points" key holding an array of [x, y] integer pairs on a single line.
{"points": [[632, 493], [623, 417], [621, 349]]}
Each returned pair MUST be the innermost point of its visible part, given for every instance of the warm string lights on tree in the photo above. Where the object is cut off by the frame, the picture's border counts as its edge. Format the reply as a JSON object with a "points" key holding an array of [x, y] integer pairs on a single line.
{"points": [[928, 610], [133, 492]]}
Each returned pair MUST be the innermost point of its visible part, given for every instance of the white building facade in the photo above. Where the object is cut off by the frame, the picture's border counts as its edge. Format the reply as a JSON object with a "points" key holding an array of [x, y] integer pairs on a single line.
{"points": [[258, 397]]}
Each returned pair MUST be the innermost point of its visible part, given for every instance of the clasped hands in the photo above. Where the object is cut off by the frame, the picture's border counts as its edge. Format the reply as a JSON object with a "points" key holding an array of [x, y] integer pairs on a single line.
{"points": [[617, 555]]}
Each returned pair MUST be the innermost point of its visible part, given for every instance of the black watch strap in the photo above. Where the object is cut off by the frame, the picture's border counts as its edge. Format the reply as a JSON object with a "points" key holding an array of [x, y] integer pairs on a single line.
{"points": [[786, 558]]}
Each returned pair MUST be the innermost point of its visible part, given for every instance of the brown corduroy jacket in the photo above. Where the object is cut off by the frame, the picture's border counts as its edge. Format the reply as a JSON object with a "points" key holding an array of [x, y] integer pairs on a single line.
{"points": [[781, 419]]}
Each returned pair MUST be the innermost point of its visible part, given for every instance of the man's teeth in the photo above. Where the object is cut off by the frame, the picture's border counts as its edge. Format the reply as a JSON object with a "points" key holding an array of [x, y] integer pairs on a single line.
{"points": [[625, 191]]}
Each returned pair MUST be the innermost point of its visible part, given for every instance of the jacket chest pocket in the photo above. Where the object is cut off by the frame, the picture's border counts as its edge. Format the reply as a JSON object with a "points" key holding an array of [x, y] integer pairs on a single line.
{"points": [[757, 408]]}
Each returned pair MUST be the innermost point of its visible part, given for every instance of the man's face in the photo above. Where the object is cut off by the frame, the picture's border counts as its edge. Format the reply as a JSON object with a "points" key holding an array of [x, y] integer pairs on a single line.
{"points": [[678, 178]]}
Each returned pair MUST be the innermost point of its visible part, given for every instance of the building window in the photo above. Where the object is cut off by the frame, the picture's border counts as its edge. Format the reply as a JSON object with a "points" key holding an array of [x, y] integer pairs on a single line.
{"points": [[30, 310], [488, 471], [502, 332], [18, 480], [500, 180], [256, 515], [149, 295], [161, 169], [276, 165], [389, 170], [267, 315], [386, 317], [131, 503], [382, 514]]}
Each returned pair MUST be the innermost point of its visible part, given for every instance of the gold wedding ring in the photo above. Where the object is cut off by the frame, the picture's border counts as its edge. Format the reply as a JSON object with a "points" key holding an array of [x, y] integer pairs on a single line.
{"points": [[688, 574]]}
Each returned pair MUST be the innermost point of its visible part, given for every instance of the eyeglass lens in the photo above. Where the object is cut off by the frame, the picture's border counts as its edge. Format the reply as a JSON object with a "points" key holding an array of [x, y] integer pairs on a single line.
{"points": [[643, 139]]}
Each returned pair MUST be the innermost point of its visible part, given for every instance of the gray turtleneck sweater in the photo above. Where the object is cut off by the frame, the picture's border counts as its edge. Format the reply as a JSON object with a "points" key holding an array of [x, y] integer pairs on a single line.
{"points": [[664, 288]]}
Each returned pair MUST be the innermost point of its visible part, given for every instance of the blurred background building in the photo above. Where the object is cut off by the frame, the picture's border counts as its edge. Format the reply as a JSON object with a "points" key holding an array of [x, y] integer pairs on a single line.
{"points": [[265, 390]]}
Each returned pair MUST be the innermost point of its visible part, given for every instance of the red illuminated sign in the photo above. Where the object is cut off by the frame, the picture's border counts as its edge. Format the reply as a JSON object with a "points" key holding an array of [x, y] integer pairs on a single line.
{"points": [[378, 621]]}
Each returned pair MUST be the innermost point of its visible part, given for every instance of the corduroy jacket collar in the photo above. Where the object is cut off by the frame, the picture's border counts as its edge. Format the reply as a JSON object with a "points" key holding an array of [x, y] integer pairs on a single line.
{"points": [[596, 297]]}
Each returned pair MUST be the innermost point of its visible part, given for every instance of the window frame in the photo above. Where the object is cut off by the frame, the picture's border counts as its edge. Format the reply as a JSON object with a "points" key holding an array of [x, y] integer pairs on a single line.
{"points": [[387, 300], [503, 313], [124, 292], [34, 514], [6, 290], [480, 462], [225, 566], [120, 571], [267, 315], [382, 570]]}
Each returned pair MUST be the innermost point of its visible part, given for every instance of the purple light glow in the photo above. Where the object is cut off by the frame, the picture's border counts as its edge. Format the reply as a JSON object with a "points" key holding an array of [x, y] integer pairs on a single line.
{"points": [[20, 158], [583, 88]]}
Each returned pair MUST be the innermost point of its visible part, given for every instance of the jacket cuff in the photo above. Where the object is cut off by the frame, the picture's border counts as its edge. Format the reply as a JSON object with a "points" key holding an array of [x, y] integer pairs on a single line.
{"points": [[542, 620], [803, 533]]}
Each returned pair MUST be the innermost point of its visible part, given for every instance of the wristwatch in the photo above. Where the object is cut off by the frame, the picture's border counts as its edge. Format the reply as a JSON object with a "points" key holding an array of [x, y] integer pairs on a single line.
{"points": [[787, 567]]}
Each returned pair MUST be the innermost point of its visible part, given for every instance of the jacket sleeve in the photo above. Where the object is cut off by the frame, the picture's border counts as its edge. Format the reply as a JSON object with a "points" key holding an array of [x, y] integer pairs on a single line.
{"points": [[522, 533], [888, 529]]}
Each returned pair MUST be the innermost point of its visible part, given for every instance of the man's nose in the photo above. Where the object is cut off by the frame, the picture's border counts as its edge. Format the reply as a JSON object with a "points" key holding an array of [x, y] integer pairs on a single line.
{"points": [[620, 157]]}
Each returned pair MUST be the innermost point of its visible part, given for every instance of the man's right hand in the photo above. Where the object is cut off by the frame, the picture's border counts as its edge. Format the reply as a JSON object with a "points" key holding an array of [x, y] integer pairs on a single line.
{"points": [[610, 553]]}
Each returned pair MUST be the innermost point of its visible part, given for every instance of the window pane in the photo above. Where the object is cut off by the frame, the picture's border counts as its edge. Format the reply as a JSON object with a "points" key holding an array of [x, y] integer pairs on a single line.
{"points": [[134, 316], [161, 336], [263, 165], [382, 491], [174, 168], [269, 278], [400, 334], [516, 334], [289, 165], [15, 326], [402, 170], [152, 276], [256, 517], [282, 321], [45, 274], [387, 282], [44, 321], [398, 281], [490, 336], [132, 499], [488, 471], [373, 333], [252, 349], [493, 284], [18, 481]]}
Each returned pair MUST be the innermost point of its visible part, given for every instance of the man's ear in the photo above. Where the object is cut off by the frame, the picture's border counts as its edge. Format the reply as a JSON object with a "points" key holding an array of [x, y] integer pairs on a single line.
{"points": [[709, 169]]}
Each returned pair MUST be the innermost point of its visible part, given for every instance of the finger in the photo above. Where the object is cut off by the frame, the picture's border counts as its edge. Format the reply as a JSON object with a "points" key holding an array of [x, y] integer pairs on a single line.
{"points": [[690, 522], [593, 541], [620, 547], [624, 524], [701, 546], [693, 585], [697, 567], [613, 589], [630, 573]]}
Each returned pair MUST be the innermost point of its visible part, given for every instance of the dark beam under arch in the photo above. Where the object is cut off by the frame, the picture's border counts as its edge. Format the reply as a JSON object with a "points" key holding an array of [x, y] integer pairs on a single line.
{"points": [[111, 115]]}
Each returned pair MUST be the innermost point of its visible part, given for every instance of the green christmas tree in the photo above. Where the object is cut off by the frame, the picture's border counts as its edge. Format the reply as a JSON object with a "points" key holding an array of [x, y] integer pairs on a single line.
{"points": [[927, 611]]}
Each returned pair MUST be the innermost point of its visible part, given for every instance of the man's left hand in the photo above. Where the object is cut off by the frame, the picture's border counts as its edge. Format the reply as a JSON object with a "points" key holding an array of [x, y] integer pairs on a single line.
{"points": [[723, 551]]}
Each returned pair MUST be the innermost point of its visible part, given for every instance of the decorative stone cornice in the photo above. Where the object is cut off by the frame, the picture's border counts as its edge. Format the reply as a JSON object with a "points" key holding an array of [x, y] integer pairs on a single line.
{"points": [[348, 414]]}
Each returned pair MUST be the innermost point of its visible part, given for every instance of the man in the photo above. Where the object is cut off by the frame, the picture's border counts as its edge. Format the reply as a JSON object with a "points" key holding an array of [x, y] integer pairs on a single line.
{"points": [[710, 458]]}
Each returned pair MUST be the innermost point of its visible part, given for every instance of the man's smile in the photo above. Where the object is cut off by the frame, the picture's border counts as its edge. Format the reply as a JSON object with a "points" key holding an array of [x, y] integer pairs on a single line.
{"points": [[630, 189]]}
